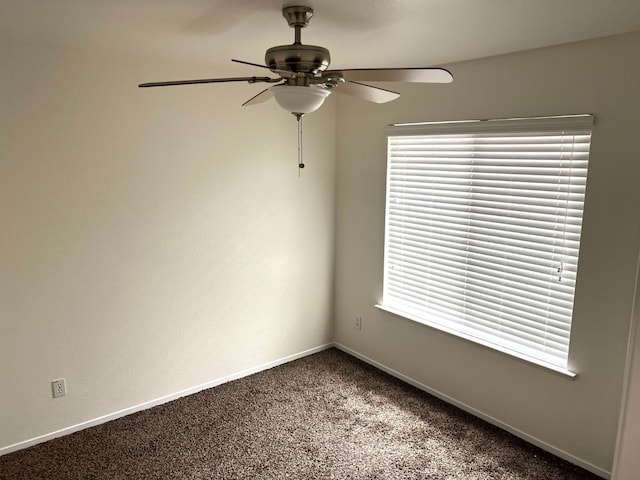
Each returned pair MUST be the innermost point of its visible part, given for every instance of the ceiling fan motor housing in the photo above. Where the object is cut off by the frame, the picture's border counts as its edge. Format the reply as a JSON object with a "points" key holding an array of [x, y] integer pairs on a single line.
{"points": [[298, 58]]}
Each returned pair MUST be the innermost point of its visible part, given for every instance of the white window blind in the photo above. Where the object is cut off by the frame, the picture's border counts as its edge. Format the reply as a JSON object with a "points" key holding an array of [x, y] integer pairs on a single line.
{"points": [[483, 222]]}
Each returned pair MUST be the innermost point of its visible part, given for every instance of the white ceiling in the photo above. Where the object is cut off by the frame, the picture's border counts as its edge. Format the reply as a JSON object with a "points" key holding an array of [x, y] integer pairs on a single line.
{"points": [[359, 33]]}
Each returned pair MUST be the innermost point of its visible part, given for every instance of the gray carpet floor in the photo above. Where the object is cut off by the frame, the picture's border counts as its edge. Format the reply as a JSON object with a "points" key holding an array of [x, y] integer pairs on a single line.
{"points": [[326, 416]]}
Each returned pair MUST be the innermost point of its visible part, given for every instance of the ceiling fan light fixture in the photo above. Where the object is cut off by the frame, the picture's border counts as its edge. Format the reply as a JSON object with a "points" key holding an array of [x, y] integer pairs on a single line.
{"points": [[299, 99]]}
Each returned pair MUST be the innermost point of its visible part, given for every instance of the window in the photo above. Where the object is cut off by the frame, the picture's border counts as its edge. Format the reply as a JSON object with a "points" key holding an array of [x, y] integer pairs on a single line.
{"points": [[483, 222]]}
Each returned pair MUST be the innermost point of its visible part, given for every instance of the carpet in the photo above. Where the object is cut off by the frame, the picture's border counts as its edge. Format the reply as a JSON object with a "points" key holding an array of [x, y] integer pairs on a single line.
{"points": [[325, 416]]}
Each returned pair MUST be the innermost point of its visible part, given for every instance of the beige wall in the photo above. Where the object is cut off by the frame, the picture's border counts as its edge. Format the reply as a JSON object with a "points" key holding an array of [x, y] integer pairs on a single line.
{"points": [[150, 240], [578, 417]]}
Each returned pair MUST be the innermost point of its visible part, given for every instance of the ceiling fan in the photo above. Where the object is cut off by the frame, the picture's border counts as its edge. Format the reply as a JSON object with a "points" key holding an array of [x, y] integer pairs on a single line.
{"points": [[304, 81]]}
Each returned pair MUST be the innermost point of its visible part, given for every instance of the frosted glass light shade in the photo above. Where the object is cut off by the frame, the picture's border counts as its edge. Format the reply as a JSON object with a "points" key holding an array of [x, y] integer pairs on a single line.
{"points": [[299, 99]]}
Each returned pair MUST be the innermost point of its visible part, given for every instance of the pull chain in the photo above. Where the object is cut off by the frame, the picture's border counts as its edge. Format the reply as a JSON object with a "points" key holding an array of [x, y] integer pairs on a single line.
{"points": [[300, 164]]}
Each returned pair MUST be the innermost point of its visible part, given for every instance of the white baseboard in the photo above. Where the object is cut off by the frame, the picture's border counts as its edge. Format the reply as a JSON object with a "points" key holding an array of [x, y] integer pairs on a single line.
{"points": [[518, 433], [158, 401]]}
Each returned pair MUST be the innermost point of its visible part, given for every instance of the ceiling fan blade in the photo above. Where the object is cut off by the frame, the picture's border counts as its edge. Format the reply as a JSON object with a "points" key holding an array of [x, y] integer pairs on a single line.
{"points": [[365, 92], [250, 63], [411, 75], [262, 97], [282, 73], [210, 80]]}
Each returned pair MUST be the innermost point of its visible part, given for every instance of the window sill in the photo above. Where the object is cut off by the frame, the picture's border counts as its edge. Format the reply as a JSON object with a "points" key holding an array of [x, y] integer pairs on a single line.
{"points": [[526, 358]]}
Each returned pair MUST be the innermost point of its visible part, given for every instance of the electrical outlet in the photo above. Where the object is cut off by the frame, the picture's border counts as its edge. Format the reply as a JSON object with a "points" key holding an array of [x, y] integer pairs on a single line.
{"points": [[358, 323], [59, 388]]}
